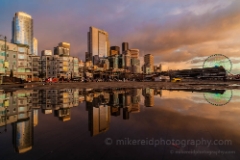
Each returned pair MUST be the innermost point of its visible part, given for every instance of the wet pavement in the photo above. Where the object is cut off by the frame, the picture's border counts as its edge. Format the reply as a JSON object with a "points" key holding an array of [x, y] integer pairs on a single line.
{"points": [[120, 123]]}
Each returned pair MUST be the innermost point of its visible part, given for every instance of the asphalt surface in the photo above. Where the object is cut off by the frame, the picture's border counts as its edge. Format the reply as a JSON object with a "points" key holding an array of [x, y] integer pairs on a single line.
{"points": [[188, 85]]}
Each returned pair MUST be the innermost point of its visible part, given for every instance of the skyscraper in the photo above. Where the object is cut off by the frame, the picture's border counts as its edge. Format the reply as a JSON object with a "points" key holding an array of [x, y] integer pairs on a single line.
{"points": [[148, 63], [148, 59], [22, 30], [125, 46], [98, 43]]}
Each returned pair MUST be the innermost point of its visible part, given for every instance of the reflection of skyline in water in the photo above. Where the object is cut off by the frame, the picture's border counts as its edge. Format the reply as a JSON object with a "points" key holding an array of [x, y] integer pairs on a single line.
{"points": [[21, 108]]}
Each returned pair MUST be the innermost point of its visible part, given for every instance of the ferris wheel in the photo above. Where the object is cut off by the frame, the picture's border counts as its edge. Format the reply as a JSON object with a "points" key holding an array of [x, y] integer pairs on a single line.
{"points": [[218, 99], [218, 60]]}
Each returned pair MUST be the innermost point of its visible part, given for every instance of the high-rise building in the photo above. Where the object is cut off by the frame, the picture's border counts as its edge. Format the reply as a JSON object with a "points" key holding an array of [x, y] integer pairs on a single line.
{"points": [[22, 30], [148, 63], [125, 46], [98, 43], [35, 46], [148, 59]]}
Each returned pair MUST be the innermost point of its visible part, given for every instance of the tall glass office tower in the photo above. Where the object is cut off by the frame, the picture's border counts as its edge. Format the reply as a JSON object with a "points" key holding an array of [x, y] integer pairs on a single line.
{"points": [[22, 30], [98, 43]]}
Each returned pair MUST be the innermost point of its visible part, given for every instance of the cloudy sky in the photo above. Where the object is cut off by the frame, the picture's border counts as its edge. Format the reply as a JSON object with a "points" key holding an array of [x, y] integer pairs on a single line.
{"points": [[179, 33]]}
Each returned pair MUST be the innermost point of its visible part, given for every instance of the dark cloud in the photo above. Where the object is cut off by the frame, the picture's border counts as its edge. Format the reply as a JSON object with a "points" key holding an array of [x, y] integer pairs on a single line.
{"points": [[189, 31], [168, 29]]}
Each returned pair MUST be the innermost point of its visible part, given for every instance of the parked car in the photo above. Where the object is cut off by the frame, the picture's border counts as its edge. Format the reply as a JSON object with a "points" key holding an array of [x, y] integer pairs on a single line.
{"points": [[162, 78], [54, 80], [76, 79], [176, 80], [148, 80]]}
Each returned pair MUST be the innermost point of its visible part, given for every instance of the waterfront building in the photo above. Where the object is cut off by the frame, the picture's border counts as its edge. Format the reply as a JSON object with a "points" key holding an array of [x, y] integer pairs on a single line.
{"points": [[45, 62], [131, 60], [35, 46], [148, 63], [135, 62], [16, 61], [61, 64], [75, 67], [81, 68], [22, 30], [149, 59], [35, 64], [98, 43]]}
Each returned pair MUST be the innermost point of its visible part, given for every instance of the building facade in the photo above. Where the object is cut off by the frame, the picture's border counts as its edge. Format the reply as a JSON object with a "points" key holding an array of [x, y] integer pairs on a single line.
{"points": [[22, 30], [35, 46], [148, 64], [114, 50], [16, 61], [98, 43], [63, 48], [125, 46]]}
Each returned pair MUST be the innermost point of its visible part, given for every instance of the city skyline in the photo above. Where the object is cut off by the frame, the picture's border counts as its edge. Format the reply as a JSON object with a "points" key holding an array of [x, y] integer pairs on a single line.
{"points": [[178, 34]]}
